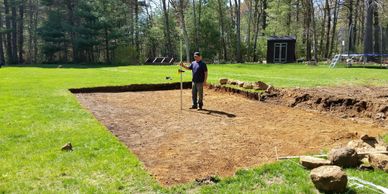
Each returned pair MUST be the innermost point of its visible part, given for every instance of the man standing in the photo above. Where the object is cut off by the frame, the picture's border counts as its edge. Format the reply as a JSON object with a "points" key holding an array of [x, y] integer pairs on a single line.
{"points": [[199, 70]]}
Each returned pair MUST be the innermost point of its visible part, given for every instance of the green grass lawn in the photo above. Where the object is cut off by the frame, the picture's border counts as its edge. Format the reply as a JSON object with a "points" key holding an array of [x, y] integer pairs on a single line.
{"points": [[38, 115]]}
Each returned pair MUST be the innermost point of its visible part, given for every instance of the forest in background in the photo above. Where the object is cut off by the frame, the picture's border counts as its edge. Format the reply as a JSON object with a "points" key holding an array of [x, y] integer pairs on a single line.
{"points": [[224, 31]]}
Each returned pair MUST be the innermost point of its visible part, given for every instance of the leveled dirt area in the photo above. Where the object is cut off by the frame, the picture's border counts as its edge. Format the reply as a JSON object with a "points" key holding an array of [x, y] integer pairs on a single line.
{"points": [[234, 132]]}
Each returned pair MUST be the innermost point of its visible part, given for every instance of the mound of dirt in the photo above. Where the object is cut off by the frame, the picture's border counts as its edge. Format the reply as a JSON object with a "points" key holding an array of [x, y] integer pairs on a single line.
{"points": [[345, 102], [356, 103]]}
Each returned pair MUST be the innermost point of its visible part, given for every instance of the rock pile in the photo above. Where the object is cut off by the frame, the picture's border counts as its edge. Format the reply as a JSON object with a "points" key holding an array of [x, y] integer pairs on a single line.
{"points": [[366, 153], [259, 85]]}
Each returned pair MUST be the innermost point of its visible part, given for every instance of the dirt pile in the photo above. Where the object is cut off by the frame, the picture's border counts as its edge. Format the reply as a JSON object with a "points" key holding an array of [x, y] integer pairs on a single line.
{"points": [[344, 102], [365, 103]]}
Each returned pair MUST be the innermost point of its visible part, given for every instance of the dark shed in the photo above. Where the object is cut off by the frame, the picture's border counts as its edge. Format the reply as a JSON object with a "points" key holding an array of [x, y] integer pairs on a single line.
{"points": [[281, 49]]}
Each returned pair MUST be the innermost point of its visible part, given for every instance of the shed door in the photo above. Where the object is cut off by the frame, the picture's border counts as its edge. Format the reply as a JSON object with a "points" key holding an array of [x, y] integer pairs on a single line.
{"points": [[280, 52]]}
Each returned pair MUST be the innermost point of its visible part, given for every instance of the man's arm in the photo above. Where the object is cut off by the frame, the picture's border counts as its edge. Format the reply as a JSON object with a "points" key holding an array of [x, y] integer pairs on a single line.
{"points": [[184, 66]]}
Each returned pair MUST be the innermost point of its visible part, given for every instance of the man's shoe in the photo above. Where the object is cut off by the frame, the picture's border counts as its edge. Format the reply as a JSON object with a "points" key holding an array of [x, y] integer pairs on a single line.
{"points": [[200, 108], [193, 107]]}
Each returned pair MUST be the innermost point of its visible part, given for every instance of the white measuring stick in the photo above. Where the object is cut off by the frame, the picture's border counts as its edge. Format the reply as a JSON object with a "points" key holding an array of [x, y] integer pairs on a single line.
{"points": [[181, 72], [381, 188]]}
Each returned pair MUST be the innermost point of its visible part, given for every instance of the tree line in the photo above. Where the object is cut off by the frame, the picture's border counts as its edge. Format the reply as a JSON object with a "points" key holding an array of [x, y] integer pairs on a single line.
{"points": [[129, 31]]}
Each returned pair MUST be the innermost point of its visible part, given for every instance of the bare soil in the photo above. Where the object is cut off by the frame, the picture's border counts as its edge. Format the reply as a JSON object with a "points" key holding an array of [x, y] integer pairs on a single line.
{"points": [[363, 104], [231, 133]]}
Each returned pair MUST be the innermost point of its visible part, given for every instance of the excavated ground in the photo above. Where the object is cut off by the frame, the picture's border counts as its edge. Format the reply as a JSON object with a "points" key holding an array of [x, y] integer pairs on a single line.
{"points": [[232, 132]]}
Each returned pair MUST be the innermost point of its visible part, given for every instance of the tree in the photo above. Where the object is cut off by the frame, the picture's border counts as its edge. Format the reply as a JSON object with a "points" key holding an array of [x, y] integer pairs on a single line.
{"points": [[180, 7], [167, 31], [238, 31], [20, 31], [1, 36], [222, 29]]}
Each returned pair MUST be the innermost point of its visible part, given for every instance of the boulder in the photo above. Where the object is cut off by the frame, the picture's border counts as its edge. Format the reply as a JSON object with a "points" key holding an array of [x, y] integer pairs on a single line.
{"points": [[366, 138], [232, 82], [270, 89], [329, 179], [379, 161], [240, 83], [223, 81], [368, 144], [260, 85], [310, 162], [344, 157]]}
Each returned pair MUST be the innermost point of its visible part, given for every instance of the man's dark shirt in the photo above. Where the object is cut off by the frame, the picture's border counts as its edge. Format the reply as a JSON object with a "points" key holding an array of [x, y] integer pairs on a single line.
{"points": [[199, 69]]}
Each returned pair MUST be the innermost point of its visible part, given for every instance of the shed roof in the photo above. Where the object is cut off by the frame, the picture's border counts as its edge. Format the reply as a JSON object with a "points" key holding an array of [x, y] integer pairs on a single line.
{"points": [[281, 38]]}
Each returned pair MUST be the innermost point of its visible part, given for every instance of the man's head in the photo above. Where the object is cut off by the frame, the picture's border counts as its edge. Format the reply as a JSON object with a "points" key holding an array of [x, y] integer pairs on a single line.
{"points": [[197, 56]]}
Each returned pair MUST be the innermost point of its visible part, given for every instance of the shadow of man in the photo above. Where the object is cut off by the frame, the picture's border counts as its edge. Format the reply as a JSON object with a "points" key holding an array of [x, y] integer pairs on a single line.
{"points": [[216, 112]]}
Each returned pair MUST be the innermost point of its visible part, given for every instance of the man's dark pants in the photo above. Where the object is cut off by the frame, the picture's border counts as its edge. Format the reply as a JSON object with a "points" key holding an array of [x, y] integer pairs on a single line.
{"points": [[197, 94]]}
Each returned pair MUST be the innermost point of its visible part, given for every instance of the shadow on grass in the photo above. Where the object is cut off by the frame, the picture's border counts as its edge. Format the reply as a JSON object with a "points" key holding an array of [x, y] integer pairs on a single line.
{"points": [[71, 66]]}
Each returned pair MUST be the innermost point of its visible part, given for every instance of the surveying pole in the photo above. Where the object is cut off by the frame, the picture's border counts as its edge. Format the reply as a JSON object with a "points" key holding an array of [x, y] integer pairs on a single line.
{"points": [[181, 74]]}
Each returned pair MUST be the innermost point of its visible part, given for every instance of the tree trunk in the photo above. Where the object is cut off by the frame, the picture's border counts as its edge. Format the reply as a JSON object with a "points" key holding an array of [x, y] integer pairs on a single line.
{"points": [[368, 36], [107, 56], [298, 10], [14, 33], [167, 34], [222, 26], [30, 33], [322, 34], [350, 27], [256, 28], [238, 46], [377, 34], [199, 24], [307, 28], [20, 31], [328, 28], [334, 31], [355, 26], [1, 39], [315, 41], [137, 42], [195, 28], [231, 13], [35, 37], [180, 7], [249, 2], [8, 34], [264, 16], [71, 20]]}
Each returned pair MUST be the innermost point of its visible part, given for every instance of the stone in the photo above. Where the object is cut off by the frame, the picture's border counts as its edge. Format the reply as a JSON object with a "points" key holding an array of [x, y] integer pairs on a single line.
{"points": [[310, 162], [67, 147], [232, 82], [329, 179], [368, 144], [261, 85], [223, 81], [366, 137], [380, 116], [344, 157], [270, 89], [240, 83], [248, 85], [379, 161], [360, 146], [365, 167]]}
